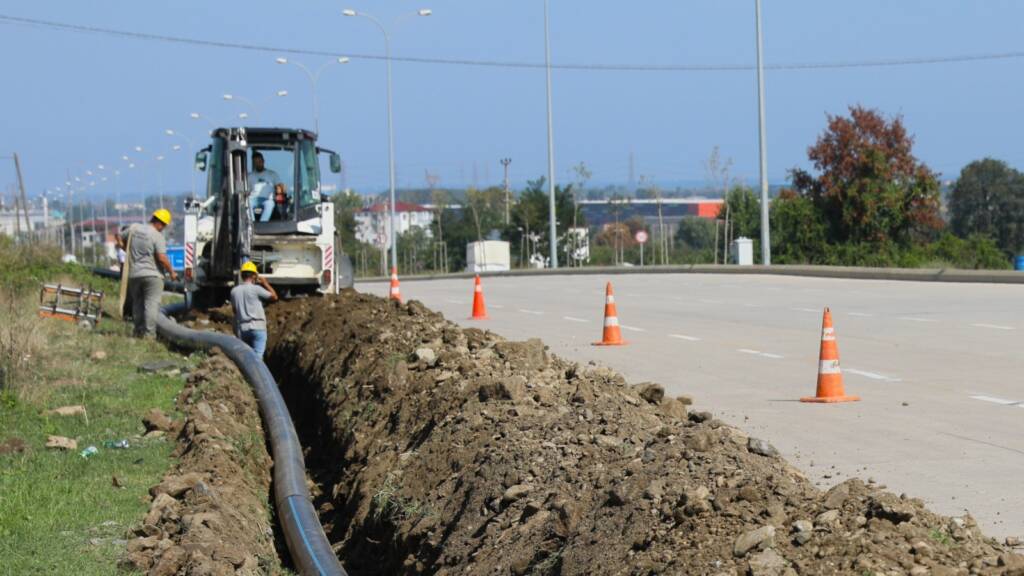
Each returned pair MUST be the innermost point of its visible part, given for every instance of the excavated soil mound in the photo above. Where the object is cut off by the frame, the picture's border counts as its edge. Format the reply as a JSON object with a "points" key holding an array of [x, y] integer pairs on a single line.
{"points": [[209, 515], [450, 451]]}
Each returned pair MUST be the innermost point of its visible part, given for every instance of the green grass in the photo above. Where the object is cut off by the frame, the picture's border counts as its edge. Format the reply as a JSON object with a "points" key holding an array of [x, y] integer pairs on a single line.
{"points": [[59, 512]]}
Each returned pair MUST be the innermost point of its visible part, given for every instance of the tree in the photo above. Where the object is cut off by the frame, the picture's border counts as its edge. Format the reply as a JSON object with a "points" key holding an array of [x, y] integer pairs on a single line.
{"points": [[870, 187], [744, 209], [346, 204], [798, 231], [988, 199], [532, 212]]}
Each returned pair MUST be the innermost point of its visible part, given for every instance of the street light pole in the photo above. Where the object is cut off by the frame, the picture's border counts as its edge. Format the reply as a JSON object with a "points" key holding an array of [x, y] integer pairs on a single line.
{"points": [[766, 248], [553, 229], [508, 191], [314, 79], [391, 134]]}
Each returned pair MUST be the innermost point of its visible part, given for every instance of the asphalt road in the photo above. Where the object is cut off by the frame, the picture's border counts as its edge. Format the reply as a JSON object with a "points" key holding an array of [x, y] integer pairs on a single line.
{"points": [[938, 367]]}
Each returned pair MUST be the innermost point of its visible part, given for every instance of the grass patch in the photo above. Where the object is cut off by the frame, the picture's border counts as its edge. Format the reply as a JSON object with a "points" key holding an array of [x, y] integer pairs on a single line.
{"points": [[60, 513]]}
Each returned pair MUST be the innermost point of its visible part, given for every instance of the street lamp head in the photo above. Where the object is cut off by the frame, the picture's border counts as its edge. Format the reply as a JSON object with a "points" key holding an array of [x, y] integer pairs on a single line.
{"points": [[131, 164], [229, 97], [159, 158], [243, 115], [425, 12], [125, 157], [343, 60], [194, 115], [176, 147], [88, 172], [138, 148], [169, 132], [100, 167], [282, 93], [349, 12], [281, 60]]}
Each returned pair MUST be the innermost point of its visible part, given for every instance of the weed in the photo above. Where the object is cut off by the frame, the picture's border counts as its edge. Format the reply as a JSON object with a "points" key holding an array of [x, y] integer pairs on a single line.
{"points": [[20, 340], [388, 506], [939, 536]]}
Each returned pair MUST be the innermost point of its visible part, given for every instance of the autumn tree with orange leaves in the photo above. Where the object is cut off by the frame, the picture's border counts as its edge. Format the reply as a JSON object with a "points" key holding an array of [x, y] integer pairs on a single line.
{"points": [[869, 187]]}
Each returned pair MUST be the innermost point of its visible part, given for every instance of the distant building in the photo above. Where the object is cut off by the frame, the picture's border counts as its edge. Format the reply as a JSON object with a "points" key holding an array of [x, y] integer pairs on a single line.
{"points": [[373, 224], [39, 218], [600, 213]]}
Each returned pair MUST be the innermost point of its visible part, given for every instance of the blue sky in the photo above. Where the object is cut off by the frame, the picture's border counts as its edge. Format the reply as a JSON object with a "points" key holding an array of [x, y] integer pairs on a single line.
{"points": [[74, 100]]}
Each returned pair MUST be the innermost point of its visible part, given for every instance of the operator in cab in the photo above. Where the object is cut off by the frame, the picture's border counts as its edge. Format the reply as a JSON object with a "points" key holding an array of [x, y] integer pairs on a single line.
{"points": [[146, 255], [247, 302], [263, 183]]}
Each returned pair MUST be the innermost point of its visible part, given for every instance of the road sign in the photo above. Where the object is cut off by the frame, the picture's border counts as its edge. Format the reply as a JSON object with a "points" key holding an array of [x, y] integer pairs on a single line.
{"points": [[641, 236]]}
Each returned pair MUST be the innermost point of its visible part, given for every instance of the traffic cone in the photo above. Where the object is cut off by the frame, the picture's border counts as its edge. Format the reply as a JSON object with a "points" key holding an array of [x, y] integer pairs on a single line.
{"points": [[396, 293], [612, 334], [479, 310], [830, 377]]}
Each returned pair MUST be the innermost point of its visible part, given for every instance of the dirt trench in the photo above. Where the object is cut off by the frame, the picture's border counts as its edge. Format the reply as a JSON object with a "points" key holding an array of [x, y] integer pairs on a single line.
{"points": [[442, 450]]}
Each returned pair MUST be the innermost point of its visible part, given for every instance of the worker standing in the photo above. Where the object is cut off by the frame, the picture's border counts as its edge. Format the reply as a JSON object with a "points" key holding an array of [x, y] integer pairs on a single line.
{"points": [[247, 302], [146, 255]]}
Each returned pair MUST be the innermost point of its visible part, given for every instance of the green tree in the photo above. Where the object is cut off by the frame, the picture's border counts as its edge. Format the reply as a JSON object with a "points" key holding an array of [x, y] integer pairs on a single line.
{"points": [[532, 214], [798, 230], [744, 209], [696, 233], [988, 199], [870, 187], [346, 204]]}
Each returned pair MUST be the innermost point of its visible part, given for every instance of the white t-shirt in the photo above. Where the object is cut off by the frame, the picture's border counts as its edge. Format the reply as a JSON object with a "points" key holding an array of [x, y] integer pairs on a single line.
{"points": [[262, 183]]}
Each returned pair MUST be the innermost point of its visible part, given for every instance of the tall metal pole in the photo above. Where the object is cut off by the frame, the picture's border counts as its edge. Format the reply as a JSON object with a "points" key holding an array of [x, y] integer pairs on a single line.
{"points": [[508, 191], [553, 229], [390, 154], [766, 248]]}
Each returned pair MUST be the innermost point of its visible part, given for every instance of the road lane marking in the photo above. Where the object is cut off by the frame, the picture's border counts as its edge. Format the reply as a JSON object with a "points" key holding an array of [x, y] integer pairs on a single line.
{"points": [[994, 326], [749, 305], [574, 319], [454, 301], [813, 310], [684, 337], [994, 400], [914, 319], [872, 375], [860, 314], [759, 353], [706, 301], [497, 306], [534, 312], [632, 328]]}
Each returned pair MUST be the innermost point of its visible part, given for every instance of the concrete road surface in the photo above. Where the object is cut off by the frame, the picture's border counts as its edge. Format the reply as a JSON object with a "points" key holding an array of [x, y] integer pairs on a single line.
{"points": [[939, 368]]}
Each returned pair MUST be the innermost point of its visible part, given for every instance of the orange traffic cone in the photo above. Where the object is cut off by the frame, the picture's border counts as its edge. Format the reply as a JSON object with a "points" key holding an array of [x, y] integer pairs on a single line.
{"points": [[396, 293], [479, 310], [830, 377], [612, 334]]}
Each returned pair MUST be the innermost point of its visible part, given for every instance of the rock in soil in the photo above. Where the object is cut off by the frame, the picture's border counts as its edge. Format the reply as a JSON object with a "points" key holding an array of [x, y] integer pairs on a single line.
{"points": [[495, 457]]}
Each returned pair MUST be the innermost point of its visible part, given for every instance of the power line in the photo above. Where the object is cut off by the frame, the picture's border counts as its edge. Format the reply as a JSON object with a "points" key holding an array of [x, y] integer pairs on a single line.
{"points": [[835, 65]]}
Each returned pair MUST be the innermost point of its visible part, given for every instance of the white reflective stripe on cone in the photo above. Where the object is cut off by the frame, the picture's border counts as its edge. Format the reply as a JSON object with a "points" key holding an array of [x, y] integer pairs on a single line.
{"points": [[828, 334], [829, 367], [610, 299], [611, 321]]}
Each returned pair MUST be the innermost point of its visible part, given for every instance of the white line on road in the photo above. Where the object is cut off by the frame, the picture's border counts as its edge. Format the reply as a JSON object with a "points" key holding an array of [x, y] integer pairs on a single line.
{"points": [[497, 306], [632, 328], [706, 301], [814, 310], [749, 305], [684, 337], [871, 375], [454, 301], [860, 314], [574, 319], [914, 319], [994, 326], [995, 400], [759, 353], [534, 312]]}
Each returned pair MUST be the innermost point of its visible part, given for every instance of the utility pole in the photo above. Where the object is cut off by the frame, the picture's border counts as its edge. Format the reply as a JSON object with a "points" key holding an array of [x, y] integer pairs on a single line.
{"points": [[553, 228], [508, 191], [766, 247]]}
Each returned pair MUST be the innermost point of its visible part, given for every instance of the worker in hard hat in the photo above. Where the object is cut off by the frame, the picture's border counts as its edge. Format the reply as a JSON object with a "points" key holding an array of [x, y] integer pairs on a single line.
{"points": [[247, 301], [146, 256]]}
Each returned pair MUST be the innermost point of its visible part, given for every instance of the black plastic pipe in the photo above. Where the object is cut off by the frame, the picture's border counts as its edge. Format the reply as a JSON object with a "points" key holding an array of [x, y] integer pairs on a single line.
{"points": [[311, 552]]}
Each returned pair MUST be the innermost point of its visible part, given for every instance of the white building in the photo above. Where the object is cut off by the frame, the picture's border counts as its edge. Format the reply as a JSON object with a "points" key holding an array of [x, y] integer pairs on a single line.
{"points": [[39, 218], [373, 224]]}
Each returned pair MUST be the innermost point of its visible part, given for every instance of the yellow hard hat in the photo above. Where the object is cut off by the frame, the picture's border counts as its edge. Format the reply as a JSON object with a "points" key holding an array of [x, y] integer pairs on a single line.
{"points": [[249, 267], [162, 215]]}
